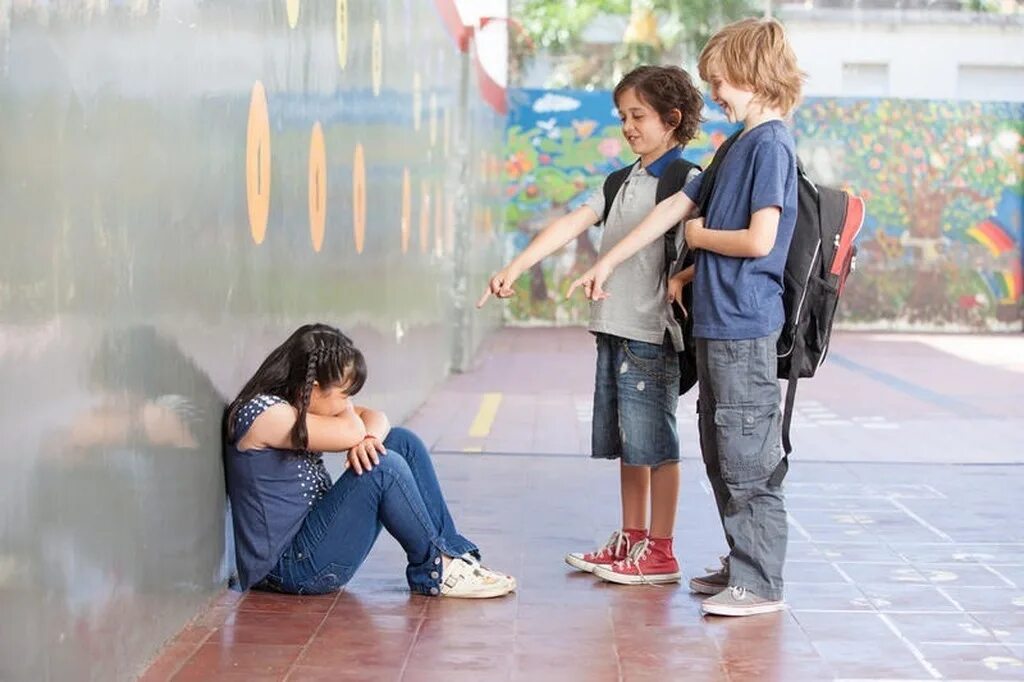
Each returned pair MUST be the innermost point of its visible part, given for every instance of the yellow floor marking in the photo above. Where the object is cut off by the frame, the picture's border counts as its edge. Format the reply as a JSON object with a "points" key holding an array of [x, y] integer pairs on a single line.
{"points": [[485, 415]]}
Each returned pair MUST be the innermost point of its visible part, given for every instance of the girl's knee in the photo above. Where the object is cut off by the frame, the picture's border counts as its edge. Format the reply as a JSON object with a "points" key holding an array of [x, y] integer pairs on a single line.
{"points": [[392, 463], [404, 442]]}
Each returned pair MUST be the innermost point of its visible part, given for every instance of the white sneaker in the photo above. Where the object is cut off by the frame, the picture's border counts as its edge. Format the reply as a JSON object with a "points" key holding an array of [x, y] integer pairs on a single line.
{"points": [[739, 601], [476, 562], [469, 580]]}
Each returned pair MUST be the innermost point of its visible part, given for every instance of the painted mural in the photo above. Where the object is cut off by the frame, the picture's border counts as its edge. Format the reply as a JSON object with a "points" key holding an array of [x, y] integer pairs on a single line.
{"points": [[943, 182], [941, 246]]}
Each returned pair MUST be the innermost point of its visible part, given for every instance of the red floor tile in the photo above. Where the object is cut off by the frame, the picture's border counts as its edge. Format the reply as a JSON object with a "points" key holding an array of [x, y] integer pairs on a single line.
{"points": [[901, 572], [342, 673], [219, 660], [171, 659]]}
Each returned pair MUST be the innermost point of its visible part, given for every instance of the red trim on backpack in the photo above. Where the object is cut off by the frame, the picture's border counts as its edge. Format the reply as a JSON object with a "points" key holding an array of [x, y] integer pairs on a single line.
{"points": [[851, 227]]}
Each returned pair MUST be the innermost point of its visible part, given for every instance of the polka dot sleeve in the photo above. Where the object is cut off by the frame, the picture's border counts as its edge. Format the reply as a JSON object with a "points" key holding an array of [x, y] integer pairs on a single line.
{"points": [[248, 412]]}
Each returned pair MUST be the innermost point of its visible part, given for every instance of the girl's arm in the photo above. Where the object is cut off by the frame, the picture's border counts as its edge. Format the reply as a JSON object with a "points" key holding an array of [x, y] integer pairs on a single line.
{"points": [[669, 212], [377, 424], [366, 454], [755, 241], [551, 238], [273, 429]]}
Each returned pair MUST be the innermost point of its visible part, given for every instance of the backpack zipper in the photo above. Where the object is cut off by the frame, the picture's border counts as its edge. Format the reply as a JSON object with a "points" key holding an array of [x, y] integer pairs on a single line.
{"points": [[803, 297]]}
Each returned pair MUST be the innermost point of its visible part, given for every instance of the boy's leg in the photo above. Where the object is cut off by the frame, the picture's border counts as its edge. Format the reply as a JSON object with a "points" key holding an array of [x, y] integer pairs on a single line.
{"points": [[741, 375], [664, 499], [706, 404], [715, 580], [647, 386], [635, 484], [408, 445], [606, 443], [648, 390], [607, 435]]}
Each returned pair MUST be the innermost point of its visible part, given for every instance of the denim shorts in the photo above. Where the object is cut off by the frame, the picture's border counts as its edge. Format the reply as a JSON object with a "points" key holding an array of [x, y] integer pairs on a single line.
{"points": [[636, 391]]}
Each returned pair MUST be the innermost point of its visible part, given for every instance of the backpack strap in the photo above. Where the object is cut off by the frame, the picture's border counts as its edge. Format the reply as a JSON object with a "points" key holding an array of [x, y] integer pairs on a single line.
{"points": [[671, 181], [612, 184], [673, 178], [707, 183], [796, 361]]}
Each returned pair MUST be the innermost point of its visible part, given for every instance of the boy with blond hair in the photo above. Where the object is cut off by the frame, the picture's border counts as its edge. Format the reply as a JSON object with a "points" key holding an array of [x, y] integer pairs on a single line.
{"points": [[741, 246]]}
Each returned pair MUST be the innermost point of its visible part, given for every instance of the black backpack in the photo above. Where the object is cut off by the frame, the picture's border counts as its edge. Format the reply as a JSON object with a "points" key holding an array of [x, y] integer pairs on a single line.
{"points": [[671, 180], [821, 257]]}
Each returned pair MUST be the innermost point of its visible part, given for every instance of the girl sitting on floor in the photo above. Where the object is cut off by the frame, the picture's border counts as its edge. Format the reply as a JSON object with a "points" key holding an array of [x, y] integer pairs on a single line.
{"points": [[295, 530]]}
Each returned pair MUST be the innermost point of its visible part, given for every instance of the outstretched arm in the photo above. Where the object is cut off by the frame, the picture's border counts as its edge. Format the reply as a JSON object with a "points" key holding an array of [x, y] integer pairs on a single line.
{"points": [[669, 212], [551, 238]]}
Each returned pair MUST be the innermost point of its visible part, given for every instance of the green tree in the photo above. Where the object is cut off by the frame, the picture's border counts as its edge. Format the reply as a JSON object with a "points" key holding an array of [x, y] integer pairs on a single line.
{"points": [[658, 31]]}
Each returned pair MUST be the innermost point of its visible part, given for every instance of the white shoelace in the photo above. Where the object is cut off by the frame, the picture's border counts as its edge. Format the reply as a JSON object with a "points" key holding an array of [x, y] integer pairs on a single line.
{"points": [[638, 553], [615, 545]]}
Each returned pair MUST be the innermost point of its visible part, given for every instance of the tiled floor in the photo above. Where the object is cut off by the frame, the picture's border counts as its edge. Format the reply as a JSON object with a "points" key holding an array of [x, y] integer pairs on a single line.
{"points": [[900, 567]]}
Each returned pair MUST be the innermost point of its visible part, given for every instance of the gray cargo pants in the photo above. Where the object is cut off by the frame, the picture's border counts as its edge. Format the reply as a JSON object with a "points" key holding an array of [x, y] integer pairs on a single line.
{"points": [[740, 439]]}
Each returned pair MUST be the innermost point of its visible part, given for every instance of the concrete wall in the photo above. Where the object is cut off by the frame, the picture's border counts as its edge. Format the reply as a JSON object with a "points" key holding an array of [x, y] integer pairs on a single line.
{"points": [[181, 184]]}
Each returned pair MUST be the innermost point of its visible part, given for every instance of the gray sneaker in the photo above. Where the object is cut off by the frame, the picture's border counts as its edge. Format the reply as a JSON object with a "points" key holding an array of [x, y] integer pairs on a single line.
{"points": [[739, 601], [714, 582]]}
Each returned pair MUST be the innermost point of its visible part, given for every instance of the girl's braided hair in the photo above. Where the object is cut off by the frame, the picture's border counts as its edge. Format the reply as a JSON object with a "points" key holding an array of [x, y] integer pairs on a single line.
{"points": [[313, 353]]}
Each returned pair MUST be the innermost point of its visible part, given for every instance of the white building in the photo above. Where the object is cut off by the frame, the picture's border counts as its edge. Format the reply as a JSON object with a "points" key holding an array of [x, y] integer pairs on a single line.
{"points": [[931, 49], [877, 49]]}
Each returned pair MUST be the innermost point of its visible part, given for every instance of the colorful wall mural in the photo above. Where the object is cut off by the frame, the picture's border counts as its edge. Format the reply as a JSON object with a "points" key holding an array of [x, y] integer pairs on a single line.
{"points": [[941, 245]]}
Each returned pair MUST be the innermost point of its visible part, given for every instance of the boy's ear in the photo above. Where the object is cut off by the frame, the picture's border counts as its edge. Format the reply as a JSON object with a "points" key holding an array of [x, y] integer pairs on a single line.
{"points": [[675, 117]]}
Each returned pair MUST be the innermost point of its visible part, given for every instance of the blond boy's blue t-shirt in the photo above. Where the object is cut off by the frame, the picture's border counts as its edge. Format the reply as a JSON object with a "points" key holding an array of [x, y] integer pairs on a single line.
{"points": [[741, 298]]}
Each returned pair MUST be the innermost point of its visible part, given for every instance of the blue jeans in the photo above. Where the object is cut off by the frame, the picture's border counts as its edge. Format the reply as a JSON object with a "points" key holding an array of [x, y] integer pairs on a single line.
{"points": [[402, 495], [636, 391], [740, 439]]}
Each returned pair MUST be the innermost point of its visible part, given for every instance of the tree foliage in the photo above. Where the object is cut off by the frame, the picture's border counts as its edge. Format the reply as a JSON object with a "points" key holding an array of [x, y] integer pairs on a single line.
{"points": [[657, 32]]}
